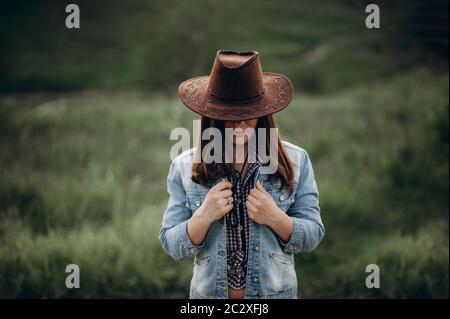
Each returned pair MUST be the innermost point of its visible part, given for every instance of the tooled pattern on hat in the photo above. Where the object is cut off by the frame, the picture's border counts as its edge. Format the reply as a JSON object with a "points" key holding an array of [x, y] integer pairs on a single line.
{"points": [[194, 83], [190, 92]]}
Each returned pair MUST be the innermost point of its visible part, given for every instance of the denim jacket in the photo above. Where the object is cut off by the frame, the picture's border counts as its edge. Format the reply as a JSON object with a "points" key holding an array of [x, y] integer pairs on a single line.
{"points": [[271, 271]]}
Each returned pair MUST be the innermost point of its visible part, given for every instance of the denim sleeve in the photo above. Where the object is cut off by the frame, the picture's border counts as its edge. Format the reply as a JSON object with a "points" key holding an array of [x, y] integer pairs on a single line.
{"points": [[308, 227], [173, 234]]}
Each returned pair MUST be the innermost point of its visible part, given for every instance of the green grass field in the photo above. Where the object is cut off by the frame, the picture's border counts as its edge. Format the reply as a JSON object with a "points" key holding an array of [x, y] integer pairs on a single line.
{"points": [[84, 146], [83, 181]]}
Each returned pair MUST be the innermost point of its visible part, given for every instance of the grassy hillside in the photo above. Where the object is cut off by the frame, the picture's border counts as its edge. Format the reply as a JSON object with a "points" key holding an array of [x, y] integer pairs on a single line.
{"points": [[155, 44]]}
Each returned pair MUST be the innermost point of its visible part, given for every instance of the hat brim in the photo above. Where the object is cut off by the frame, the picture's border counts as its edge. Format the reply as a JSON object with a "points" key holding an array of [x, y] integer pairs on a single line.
{"points": [[278, 93]]}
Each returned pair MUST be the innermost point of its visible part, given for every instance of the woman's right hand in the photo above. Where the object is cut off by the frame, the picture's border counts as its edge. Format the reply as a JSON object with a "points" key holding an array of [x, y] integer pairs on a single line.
{"points": [[218, 202]]}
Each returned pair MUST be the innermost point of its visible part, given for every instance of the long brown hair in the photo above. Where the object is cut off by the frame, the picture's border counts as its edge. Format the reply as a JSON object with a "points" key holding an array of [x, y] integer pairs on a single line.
{"points": [[206, 173]]}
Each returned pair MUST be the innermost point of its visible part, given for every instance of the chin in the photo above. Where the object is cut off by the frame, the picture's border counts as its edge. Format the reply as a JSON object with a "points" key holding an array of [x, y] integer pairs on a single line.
{"points": [[239, 141]]}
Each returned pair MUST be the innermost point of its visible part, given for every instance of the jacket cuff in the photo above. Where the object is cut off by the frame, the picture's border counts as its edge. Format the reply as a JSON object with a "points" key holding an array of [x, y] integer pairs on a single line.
{"points": [[294, 244], [186, 244]]}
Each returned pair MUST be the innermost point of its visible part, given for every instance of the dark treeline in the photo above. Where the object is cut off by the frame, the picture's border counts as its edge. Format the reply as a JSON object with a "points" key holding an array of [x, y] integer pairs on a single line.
{"points": [[154, 44]]}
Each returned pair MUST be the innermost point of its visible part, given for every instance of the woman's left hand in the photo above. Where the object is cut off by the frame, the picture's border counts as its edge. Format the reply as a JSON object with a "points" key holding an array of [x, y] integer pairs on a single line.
{"points": [[261, 207]]}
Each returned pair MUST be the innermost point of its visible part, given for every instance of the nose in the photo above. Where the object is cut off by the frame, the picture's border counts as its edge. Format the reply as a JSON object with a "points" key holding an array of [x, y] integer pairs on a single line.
{"points": [[238, 123]]}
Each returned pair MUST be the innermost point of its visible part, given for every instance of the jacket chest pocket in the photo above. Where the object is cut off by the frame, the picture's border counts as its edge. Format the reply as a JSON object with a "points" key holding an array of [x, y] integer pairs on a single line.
{"points": [[194, 200], [283, 198]]}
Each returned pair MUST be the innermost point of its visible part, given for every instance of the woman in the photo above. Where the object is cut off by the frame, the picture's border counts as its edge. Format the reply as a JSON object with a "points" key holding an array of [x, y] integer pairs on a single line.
{"points": [[242, 214]]}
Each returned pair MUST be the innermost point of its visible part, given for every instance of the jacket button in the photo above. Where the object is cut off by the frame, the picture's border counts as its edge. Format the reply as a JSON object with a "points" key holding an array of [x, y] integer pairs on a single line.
{"points": [[281, 197], [255, 279], [256, 248], [197, 203]]}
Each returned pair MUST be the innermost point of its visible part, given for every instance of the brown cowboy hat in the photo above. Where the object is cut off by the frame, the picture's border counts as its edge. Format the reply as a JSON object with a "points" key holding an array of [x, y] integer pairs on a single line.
{"points": [[236, 89]]}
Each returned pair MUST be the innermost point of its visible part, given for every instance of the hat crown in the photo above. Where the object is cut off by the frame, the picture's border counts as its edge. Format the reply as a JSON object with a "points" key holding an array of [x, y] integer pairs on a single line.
{"points": [[236, 77]]}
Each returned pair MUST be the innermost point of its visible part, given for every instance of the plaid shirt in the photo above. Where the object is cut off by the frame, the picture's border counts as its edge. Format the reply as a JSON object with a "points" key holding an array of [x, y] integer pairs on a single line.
{"points": [[238, 227]]}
